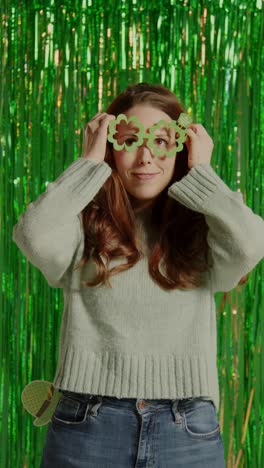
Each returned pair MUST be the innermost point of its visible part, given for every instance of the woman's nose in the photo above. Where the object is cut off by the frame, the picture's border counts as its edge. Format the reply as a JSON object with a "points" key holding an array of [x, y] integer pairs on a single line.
{"points": [[144, 143], [143, 146]]}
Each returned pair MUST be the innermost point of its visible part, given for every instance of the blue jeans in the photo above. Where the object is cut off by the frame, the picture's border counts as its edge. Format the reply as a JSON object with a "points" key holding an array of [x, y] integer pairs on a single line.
{"points": [[92, 431]]}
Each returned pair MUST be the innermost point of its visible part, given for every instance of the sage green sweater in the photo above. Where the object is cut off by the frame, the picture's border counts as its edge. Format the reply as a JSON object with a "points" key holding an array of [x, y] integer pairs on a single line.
{"points": [[137, 340]]}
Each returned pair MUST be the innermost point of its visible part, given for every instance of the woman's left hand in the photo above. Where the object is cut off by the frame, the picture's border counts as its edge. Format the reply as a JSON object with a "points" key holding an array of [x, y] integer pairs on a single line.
{"points": [[199, 144]]}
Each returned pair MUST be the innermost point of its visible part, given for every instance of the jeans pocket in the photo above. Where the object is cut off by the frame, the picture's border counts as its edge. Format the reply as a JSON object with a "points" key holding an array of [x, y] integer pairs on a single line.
{"points": [[200, 419], [71, 411]]}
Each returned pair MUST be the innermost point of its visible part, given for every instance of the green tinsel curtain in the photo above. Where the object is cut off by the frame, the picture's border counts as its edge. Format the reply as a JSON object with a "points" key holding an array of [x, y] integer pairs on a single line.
{"points": [[61, 62]]}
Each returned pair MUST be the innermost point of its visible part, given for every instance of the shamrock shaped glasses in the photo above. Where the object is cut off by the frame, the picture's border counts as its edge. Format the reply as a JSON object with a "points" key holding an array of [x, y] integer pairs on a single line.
{"points": [[157, 132]]}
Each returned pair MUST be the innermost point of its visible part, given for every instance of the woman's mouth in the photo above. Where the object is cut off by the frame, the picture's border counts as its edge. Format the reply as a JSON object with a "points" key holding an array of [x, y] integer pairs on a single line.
{"points": [[145, 176]]}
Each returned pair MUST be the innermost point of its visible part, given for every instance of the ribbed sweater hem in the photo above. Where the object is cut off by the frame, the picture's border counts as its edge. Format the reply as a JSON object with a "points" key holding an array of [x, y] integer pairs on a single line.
{"points": [[198, 186], [146, 376]]}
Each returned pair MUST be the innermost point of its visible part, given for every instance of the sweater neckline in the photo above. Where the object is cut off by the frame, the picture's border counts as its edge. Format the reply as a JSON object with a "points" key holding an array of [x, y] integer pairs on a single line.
{"points": [[144, 213], [146, 230]]}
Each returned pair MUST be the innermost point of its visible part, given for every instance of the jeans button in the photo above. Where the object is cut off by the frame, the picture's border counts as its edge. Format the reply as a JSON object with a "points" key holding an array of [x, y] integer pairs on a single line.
{"points": [[141, 404]]}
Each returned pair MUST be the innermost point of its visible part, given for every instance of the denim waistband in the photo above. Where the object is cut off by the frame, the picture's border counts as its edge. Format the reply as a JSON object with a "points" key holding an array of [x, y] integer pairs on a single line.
{"points": [[89, 396], [127, 402]]}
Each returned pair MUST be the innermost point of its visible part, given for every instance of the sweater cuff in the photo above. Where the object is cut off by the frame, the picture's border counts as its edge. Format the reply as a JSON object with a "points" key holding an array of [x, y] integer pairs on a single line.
{"points": [[80, 180], [196, 188]]}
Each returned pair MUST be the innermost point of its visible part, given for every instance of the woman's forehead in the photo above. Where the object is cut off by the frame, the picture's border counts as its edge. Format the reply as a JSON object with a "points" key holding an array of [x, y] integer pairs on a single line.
{"points": [[131, 127]]}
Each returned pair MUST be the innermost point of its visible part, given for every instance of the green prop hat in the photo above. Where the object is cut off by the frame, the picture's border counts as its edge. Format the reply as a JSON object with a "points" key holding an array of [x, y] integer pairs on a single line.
{"points": [[179, 127], [40, 399]]}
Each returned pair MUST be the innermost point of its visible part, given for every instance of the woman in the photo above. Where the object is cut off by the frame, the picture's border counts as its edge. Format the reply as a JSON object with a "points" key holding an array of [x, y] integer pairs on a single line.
{"points": [[137, 365]]}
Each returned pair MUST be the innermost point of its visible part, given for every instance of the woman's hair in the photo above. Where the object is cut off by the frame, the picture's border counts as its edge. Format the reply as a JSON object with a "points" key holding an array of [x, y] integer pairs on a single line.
{"points": [[109, 220]]}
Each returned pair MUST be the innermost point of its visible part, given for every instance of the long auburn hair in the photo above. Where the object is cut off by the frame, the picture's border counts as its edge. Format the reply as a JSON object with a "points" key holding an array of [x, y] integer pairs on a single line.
{"points": [[109, 220]]}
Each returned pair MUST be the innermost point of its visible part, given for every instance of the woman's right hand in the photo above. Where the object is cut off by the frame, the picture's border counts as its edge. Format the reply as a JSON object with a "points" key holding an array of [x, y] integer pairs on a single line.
{"points": [[95, 137]]}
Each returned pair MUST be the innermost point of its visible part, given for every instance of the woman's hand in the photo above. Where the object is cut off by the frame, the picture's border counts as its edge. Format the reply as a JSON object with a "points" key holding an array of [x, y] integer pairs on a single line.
{"points": [[95, 137], [199, 144]]}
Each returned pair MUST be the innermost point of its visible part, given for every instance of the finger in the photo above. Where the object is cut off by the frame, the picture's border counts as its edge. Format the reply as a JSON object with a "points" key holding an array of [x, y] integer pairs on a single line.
{"points": [[96, 117], [104, 123], [198, 128], [100, 117], [95, 123], [99, 114], [190, 132], [193, 127]]}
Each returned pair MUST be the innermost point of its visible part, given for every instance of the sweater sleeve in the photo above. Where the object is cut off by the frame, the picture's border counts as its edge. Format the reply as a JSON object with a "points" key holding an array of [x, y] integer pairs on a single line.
{"points": [[236, 234], [49, 232]]}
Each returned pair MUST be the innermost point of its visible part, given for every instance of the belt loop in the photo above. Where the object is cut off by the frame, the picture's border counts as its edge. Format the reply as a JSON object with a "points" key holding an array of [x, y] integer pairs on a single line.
{"points": [[177, 414], [96, 406]]}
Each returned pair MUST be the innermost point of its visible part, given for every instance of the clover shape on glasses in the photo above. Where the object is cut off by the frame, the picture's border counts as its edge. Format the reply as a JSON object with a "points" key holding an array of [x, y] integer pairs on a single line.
{"points": [[174, 126]]}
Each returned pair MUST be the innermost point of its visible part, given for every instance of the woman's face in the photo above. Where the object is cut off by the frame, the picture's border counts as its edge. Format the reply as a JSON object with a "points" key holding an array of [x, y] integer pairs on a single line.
{"points": [[142, 159]]}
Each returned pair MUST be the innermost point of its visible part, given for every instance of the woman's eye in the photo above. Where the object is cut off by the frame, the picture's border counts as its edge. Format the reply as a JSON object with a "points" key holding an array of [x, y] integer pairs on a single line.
{"points": [[157, 140], [130, 139], [161, 139]]}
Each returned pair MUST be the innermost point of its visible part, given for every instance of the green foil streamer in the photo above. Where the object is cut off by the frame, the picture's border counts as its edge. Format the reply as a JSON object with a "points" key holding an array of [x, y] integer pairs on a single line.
{"points": [[61, 62]]}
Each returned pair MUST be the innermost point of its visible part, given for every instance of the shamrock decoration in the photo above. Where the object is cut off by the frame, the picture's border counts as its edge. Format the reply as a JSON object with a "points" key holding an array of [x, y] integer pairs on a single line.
{"points": [[40, 399], [174, 126], [112, 131]]}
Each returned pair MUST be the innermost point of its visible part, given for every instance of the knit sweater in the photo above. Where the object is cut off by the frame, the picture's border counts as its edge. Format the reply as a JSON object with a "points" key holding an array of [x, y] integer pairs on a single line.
{"points": [[136, 339]]}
